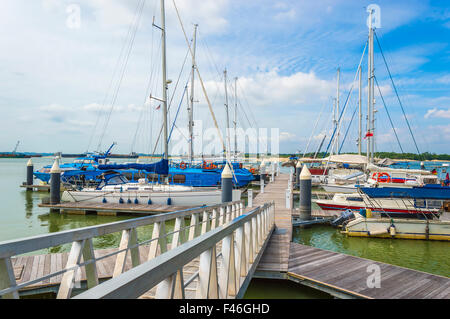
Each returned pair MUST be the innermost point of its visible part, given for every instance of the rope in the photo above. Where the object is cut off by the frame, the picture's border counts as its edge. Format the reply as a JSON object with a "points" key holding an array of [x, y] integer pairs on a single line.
{"points": [[389, 116], [396, 93]]}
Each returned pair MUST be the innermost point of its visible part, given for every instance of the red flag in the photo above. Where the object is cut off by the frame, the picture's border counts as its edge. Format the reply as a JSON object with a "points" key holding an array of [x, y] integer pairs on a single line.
{"points": [[369, 134], [159, 106]]}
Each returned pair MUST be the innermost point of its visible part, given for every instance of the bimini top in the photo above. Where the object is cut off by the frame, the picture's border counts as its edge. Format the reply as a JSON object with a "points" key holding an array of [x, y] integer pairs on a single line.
{"points": [[347, 159]]}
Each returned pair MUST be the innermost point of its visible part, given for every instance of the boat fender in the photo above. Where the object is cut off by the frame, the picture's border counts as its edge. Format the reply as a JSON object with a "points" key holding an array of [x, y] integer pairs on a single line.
{"points": [[104, 200], [136, 201], [149, 201], [392, 230], [121, 200], [169, 201], [377, 232], [129, 201]]}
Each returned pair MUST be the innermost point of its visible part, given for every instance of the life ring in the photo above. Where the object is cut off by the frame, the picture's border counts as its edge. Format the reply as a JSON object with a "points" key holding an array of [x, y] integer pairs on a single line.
{"points": [[209, 166], [252, 170], [381, 177], [183, 165]]}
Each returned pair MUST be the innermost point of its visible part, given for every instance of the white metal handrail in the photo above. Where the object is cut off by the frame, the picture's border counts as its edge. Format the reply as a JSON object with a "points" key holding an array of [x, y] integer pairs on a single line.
{"points": [[82, 244], [243, 242]]}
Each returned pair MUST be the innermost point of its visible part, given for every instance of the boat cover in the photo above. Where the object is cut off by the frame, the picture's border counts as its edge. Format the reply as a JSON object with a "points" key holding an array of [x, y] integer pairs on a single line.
{"points": [[161, 167]]}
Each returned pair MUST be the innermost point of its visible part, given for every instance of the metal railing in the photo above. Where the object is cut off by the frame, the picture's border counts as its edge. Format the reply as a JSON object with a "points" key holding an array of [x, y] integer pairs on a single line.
{"points": [[202, 220], [243, 242]]}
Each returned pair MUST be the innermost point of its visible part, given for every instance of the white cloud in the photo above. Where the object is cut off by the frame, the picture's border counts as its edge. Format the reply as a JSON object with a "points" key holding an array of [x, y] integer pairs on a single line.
{"points": [[286, 136], [435, 113]]}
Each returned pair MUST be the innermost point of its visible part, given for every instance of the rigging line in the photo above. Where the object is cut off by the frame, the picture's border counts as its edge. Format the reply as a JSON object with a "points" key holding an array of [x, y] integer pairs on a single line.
{"points": [[136, 26], [348, 96], [147, 92], [170, 104], [396, 93], [111, 82], [248, 104], [348, 129], [389, 116], [314, 129], [201, 80], [179, 107]]}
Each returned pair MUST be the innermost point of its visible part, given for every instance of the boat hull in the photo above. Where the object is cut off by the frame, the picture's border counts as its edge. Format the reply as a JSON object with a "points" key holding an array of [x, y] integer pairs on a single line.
{"points": [[177, 198], [329, 205], [404, 228]]}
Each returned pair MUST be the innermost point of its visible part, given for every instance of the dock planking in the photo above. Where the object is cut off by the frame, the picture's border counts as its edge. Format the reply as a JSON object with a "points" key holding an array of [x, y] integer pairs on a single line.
{"points": [[112, 208], [276, 255], [350, 275], [338, 273]]}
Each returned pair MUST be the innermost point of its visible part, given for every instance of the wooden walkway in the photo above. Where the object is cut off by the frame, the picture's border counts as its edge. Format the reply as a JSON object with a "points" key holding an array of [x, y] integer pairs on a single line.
{"points": [[341, 275], [276, 255], [83, 208], [28, 268], [349, 275]]}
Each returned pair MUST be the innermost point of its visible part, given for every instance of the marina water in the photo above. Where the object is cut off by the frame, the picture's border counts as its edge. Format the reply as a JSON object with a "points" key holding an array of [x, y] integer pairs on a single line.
{"points": [[21, 217]]}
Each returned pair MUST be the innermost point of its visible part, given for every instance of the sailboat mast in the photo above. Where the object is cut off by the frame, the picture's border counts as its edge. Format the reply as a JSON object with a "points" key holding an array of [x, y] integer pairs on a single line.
{"points": [[369, 92], [164, 80], [228, 115], [337, 112], [191, 107], [235, 118], [360, 111]]}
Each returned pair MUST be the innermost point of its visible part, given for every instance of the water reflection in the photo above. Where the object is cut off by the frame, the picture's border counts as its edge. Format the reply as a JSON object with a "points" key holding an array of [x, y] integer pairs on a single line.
{"points": [[28, 204]]}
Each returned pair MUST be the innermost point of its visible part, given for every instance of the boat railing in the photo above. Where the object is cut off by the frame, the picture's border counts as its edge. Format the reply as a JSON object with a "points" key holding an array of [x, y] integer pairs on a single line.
{"points": [[201, 220]]}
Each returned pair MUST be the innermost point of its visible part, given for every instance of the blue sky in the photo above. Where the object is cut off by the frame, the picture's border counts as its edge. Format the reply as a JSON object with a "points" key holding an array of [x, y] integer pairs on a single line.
{"points": [[55, 77]]}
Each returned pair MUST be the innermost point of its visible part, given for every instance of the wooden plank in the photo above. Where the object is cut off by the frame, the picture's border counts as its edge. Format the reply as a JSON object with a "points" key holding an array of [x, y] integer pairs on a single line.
{"points": [[349, 274]]}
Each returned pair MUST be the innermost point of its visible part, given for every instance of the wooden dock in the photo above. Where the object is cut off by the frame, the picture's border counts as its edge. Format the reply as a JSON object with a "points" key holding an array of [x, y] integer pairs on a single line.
{"points": [[85, 208], [348, 276], [276, 256], [338, 274]]}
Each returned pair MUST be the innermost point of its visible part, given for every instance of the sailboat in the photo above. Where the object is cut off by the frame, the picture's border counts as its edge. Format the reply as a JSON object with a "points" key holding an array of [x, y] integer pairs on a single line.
{"points": [[374, 176], [116, 188]]}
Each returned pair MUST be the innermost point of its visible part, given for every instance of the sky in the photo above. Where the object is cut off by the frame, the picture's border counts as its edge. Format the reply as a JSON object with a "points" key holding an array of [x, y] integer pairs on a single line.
{"points": [[76, 76]]}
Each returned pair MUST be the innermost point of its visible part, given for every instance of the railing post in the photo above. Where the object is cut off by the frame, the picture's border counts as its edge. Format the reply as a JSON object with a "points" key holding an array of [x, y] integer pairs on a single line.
{"points": [[241, 257], [254, 238], [227, 276], [129, 239], [228, 215], [241, 208], [91, 269], [68, 279], [173, 287], [249, 242], [222, 215], [7, 278], [214, 219], [206, 227], [159, 240], [258, 225], [194, 229], [207, 282]]}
